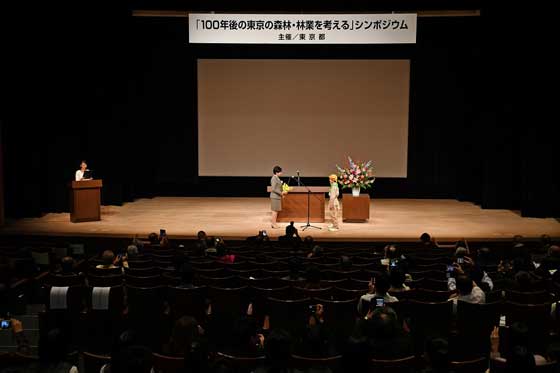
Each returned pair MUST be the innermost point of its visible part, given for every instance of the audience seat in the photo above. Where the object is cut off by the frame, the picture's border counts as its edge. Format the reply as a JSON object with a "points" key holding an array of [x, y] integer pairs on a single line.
{"points": [[313, 364], [404, 365], [94, 362], [168, 364]]}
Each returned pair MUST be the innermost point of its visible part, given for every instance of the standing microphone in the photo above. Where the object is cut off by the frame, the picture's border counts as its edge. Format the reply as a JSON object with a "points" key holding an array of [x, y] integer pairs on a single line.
{"points": [[298, 183]]}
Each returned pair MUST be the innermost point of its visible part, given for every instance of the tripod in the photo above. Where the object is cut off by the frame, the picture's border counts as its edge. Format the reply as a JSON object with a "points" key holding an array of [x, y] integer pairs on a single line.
{"points": [[304, 227]]}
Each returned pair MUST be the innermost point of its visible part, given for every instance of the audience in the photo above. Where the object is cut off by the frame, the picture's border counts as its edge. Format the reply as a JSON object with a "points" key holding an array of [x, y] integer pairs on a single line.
{"points": [[378, 288], [315, 253], [427, 242], [124, 341], [278, 352], [223, 254], [108, 260], [516, 348], [54, 355], [397, 281], [67, 266], [387, 338], [467, 291], [381, 334], [153, 238], [437, 356]]}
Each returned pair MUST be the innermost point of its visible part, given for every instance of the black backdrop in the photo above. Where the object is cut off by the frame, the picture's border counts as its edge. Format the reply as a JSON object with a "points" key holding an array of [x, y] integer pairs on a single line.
{"points": [[121, 92]]}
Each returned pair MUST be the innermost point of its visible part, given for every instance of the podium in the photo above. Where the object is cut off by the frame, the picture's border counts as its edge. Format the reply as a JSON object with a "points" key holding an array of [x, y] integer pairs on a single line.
{"points": [[85, 200], [355, 209], [294, 205]]}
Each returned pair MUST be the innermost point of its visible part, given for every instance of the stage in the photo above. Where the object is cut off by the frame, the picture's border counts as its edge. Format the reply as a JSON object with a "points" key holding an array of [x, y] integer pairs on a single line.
{"points": [[237, 218]]}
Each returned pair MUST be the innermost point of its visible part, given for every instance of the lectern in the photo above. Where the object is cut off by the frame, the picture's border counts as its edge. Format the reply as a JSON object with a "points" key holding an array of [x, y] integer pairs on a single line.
{"points": [[85, 200], [294, 204]]}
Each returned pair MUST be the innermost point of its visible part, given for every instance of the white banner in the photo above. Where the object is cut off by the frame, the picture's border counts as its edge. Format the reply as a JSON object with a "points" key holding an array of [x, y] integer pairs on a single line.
{"points": [[302, 28]]}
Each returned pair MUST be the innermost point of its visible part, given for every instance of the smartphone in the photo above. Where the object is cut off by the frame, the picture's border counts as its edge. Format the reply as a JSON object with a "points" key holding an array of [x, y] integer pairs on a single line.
{"points": [[264, 233], [394, 263], [162, 232], [5, 324], [460, 260], [379, 302]]}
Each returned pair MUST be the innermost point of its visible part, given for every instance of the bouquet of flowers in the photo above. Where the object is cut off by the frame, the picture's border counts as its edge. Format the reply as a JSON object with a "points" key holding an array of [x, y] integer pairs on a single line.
{"points": [[286, 187], [358, 175]]}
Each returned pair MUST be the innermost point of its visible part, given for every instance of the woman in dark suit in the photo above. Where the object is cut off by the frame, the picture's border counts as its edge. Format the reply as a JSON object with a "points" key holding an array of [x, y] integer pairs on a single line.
{"points": [[276, 194]]}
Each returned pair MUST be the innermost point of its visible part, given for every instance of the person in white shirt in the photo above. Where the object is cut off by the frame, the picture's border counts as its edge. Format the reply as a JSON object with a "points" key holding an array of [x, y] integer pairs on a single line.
{"points": [[467, 291], [377, 288], [81, 171]]}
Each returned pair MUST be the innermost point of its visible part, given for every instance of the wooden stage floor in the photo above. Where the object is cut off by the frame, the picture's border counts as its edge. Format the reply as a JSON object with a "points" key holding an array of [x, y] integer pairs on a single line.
{"points": [[237, 218]]}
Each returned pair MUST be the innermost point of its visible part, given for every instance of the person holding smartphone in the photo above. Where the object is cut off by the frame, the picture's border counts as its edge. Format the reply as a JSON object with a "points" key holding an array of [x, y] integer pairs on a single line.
{"points": [[378, 287]]}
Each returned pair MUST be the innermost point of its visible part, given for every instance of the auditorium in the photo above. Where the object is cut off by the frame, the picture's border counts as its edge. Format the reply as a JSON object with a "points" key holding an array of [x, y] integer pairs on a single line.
{"points": [[277, 187]]}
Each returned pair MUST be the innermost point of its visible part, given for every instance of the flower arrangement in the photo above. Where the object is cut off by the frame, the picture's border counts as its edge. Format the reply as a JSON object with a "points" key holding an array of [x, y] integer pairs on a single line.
{"points": [[358, 175], [286, 188]]}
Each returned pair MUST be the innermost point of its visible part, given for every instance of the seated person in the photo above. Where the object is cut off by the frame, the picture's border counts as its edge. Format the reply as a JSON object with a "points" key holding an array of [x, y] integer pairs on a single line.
{"points": [[308, 243], [387, 338], [517, 338], [428, 242], [164, 243], [187, 340], [278, 352], [378, 287], [246, 339], [437, 356], [397, 279], [109, 260], [316, 252], [466, 265], [317, 341], [394, 257], [260, 240], [467, 291], [67, 267], [291, 237], [153, 238], [222, 253]]}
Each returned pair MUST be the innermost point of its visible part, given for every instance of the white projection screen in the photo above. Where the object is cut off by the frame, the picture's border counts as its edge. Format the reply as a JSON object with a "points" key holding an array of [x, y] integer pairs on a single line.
{"points": [[305, 115]]}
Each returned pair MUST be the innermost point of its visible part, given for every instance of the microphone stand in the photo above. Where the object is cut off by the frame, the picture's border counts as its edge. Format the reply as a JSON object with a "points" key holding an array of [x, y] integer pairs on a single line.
{"points": [[304, 227]]}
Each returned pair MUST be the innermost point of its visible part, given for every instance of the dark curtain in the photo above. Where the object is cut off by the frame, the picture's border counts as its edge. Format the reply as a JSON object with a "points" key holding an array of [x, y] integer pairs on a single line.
{"points": [[120, 92]]}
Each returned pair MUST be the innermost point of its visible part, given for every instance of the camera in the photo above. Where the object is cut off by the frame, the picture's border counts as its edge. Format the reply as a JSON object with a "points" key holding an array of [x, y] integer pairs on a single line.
{"points": [[460, 260], [379, 302], [5, 324]]}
